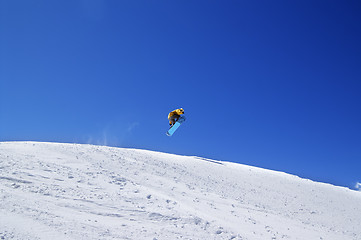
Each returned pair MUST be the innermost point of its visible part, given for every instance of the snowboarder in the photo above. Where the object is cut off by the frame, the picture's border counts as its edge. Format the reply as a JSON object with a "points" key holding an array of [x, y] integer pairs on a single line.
{"points": [[173, 116]]}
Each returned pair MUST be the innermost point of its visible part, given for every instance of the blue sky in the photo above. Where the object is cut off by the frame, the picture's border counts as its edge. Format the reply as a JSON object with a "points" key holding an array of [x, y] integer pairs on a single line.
{"points": [[274, 84]]}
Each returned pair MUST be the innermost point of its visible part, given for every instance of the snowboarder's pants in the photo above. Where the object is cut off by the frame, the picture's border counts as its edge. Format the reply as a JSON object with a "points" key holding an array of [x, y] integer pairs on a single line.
{"points": [[173, 119]]}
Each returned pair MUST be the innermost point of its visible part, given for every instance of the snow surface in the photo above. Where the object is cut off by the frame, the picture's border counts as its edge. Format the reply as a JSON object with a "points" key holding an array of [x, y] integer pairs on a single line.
{"points": [[71, 191]]}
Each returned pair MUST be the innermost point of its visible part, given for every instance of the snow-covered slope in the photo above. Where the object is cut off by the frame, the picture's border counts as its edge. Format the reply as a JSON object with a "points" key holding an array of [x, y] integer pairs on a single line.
{"points": [[69, 191]]}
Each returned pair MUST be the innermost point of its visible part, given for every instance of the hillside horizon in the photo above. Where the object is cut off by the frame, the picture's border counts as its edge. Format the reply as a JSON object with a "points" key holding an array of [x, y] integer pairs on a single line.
{"points": [[82, 191]]}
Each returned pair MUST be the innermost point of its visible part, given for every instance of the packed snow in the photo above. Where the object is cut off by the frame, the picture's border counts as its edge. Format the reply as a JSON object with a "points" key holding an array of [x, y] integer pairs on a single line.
{"points": [[72, 191]]}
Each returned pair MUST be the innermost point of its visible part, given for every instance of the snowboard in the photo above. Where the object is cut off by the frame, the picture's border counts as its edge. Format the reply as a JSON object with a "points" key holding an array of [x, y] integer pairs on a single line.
{"points": [[175, 126]]}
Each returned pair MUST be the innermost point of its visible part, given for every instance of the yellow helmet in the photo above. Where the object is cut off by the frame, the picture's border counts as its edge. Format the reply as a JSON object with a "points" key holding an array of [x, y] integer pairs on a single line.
{"points": [[180, 111]]}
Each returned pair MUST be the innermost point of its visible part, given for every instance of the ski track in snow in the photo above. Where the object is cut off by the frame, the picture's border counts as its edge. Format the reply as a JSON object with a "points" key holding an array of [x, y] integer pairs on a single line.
{"points": [[72, 191]]}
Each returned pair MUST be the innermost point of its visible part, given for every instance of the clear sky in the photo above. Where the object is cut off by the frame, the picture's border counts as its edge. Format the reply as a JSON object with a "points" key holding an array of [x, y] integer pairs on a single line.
{"points": [[274, 84]]}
